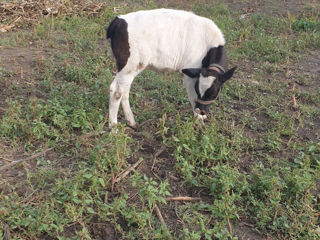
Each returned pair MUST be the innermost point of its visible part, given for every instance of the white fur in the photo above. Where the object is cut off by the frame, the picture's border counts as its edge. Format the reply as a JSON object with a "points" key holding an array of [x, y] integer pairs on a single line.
{"points": [[205, 83], [164, 39]]}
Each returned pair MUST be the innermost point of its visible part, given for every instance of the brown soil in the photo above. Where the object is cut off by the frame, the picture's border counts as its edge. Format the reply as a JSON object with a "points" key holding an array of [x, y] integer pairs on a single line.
{"points": [[275, 7]]}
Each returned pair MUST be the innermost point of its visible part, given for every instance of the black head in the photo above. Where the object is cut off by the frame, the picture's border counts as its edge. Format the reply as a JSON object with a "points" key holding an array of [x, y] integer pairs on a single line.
{"points": [[210, 78], [208, 84]]}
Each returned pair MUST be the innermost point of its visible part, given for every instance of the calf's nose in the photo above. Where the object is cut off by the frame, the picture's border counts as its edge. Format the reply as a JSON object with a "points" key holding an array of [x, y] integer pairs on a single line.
{"points": [[203, 112]]}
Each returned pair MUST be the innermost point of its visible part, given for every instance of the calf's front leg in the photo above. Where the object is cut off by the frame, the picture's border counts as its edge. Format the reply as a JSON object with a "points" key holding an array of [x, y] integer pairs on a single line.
{"points": [[119, 92]]}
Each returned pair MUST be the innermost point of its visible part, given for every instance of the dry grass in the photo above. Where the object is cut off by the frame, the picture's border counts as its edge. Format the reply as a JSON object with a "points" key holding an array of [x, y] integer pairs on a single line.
{"points": [[15, 14]]}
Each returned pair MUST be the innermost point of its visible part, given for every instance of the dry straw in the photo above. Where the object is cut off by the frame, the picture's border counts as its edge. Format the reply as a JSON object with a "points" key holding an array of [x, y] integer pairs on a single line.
{"points": [[14, 14]]}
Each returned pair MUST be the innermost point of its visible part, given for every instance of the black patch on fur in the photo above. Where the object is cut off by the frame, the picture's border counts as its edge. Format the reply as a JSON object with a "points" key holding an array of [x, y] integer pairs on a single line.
{"points": [[204, 109], [192, 72], [215, 55], [196, 88], [228, 74], [118, 32], [212, 92]]}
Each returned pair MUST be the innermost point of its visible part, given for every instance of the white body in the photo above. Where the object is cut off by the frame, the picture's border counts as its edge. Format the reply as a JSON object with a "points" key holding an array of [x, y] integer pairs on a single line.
{"points": [[163, 39]]}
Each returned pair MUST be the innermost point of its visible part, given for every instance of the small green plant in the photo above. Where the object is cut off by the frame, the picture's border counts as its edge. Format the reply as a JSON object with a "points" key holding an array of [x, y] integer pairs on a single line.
{"points": [[202, 158], [74, 197], [306, 24], [150, 191], [140, 221], [280, 199], [197, 151], [5, 73]]}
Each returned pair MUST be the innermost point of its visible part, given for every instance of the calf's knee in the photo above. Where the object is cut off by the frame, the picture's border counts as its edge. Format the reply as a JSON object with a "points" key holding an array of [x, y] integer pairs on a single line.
{"points": [[115, 91]]}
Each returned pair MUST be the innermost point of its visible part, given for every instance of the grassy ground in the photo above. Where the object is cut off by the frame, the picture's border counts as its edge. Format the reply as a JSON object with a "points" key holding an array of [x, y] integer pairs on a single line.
{"points": [[253, 171]]}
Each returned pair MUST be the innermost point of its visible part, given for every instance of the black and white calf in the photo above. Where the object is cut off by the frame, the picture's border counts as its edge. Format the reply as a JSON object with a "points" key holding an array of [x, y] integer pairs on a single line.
{"points": [[166, 39]]}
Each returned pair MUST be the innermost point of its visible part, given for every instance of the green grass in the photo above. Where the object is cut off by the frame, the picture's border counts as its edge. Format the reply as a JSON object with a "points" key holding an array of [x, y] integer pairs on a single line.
{"points": [[256, 161]]}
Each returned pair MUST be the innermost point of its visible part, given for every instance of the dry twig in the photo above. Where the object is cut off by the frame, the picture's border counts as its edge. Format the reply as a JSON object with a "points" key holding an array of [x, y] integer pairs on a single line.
{"points": [[13, 163], [145, 122], [6, 232], [163, 223], [162, 149], [228, 220], [127, 171], [181, 198], [106, 197], [293, 97]]}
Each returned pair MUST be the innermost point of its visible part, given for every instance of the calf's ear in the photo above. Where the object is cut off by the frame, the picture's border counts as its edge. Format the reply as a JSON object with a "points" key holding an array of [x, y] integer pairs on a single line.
{"points": [[192, 72], [226, 76]]}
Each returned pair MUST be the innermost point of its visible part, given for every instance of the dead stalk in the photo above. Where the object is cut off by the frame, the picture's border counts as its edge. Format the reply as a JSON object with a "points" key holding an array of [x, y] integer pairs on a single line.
{"points": [[162, 149], [6, 232], [127, 171], [106, 197], [293, 97], [13, 163], [5, 83], [21, 73], [287, 73], [145, 122], [163, 223], [181, 198], [228, 220], [6, 159]]}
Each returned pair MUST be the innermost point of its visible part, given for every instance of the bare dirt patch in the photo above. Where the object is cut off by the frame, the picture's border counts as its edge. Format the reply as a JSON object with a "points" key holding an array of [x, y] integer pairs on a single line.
{"points": [[20, 72], [22, 62], [275, 7], [306, 75]]}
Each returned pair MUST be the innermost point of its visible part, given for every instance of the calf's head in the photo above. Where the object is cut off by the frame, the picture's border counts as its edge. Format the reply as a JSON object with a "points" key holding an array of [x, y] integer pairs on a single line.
{"points": [[209, 79]]}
